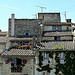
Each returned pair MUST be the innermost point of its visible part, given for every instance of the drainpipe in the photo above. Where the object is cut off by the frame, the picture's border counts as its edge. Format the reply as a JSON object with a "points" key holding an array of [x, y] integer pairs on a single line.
{"points": [[34, 63], [34, 66]]}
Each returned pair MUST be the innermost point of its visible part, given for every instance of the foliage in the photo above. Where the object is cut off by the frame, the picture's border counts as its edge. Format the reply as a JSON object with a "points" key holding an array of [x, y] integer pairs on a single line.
{"points": [[68, 68], [60, 48], [46, 67]]}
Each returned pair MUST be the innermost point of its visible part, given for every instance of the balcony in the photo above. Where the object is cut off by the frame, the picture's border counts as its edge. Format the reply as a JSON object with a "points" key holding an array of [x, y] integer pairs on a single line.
{"points": [[56, 33], [22, 46]]}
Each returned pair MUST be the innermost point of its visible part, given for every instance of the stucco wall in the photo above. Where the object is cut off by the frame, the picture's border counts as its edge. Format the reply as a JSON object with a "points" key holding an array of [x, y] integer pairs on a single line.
{"points": [[65, 27], [48, 38], [5, 69], [66, 38], [62, 38], [2, 46], [49, 28]]}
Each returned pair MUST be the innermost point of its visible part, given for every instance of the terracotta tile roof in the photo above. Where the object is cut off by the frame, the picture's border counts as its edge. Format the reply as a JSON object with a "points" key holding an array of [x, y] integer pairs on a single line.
{"points": [[57, 33], [14, 39], [3, 33], [6, 39], [18, 52], [1, 51], [51, 45]]}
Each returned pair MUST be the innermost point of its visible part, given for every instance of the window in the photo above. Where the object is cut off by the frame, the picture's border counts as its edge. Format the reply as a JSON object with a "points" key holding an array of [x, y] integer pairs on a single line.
{"points": [[57, 38], [67, 28], [59, 28], [45, 56], [62, 58], [51, 61], [15, 65], [54, 28], [27, 34], [44, 73]]}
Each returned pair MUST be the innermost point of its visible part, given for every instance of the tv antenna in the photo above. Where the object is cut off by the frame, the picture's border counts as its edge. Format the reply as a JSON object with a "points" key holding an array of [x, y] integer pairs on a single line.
{"points": [[35, 16], [41, 8], [65, 15]]}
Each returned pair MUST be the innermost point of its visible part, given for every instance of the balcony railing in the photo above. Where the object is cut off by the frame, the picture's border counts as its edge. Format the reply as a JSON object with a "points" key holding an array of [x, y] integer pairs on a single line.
{"points": [[58, 30], [56, 33]]}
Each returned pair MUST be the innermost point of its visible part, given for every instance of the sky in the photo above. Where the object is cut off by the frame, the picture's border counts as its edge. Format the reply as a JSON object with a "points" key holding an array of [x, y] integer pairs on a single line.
{"points": [[28, 8]]}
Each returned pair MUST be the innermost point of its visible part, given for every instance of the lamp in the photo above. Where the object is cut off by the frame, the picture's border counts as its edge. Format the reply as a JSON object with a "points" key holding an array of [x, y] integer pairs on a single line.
{"points": [[40, 30], [41, 25]]}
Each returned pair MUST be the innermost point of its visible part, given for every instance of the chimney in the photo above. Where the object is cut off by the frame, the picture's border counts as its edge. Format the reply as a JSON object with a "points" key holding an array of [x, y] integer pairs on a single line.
{"points": [[12, 24], [68, 20]]}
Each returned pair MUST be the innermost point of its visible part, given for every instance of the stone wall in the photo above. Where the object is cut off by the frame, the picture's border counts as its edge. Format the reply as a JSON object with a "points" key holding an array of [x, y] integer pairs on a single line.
{"points": [[49, 17], [5, 69], [23, 26]]}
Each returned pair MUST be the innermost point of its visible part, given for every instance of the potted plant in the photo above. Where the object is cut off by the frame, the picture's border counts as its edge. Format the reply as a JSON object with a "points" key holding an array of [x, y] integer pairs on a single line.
{"points": [[24, 61]]}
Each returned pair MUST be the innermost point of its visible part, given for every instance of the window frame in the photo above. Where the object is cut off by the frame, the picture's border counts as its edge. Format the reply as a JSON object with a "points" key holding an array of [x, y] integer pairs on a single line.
{"points": [[53, 28], [59, 28]]}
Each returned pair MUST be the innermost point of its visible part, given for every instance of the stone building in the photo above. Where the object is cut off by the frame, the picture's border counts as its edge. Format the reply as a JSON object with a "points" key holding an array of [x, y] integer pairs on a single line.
{"points": [[2, 44], [55, 34], [28, 37], [17, 56], [3, 34], [23, 27]]}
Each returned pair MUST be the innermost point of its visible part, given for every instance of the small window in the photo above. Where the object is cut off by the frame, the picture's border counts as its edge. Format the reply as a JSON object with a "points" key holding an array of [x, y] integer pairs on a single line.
{"points": [[61, 58], [44, 73], [54, 28], [27, 34], [59, 28], [67, 28], [15, 65], [51, 61], [45, 56], [57, 38]]}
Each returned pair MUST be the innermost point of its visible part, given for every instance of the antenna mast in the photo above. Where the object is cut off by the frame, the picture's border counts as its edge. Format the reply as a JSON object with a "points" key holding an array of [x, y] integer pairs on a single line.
{"points": [[35, 16], [65, 15], [42, 8]]}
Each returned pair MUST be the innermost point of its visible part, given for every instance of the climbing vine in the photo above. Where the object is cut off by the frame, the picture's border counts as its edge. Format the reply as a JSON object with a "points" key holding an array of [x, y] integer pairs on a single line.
{"points": [[68, 68], [44, 67]]}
